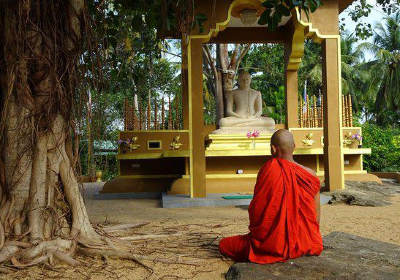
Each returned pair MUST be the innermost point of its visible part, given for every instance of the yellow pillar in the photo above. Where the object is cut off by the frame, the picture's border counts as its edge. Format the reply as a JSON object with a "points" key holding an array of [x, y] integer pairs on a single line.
{"points": [[184, 79], [293, 51], [197, 160], [291, 98], [185, 92], [333, 138]]}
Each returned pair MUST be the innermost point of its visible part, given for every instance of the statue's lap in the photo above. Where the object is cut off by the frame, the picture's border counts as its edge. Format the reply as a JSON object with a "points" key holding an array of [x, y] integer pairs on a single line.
{"points": [[251, 122], [233, 125]]}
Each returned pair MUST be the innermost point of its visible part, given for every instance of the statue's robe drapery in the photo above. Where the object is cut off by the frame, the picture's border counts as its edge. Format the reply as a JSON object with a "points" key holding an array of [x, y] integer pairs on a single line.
{"points": [[283, 220]]}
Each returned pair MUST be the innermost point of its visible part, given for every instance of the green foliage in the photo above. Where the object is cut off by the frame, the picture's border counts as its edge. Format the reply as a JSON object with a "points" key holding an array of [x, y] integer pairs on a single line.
{"points": [[277, 101], [199, 20], [354, 78], [362, 10], [384, 70], [385, 145], [129, 56], [276, 9], [311, 68], [267, 61]]}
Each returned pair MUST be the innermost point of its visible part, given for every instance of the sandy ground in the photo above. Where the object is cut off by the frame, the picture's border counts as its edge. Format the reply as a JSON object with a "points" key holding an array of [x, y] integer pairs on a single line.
{"points": [[194, 235]]}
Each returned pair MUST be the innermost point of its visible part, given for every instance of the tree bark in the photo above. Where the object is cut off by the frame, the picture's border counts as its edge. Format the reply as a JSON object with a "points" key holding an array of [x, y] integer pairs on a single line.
{"points": [[230, 66], [219, 98], [42, 213]]}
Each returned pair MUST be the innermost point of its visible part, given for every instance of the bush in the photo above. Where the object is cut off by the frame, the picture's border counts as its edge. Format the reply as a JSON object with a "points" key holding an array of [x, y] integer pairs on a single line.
{"points": [[385, 145]]}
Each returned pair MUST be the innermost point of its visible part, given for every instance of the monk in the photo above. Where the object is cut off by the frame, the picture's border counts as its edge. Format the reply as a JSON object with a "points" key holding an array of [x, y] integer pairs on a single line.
{"points": [[284, 213]]}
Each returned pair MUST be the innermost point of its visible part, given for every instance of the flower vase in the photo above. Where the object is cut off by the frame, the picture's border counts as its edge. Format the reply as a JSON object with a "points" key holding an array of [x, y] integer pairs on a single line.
{"points": [[254, 143]]}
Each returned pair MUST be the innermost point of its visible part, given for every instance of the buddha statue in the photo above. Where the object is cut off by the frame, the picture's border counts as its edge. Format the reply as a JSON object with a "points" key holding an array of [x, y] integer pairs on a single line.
{"points": [[244, 109]]}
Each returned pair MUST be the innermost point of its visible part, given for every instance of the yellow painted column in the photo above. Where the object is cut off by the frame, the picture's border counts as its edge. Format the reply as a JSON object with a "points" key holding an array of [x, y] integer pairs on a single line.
{"points": [[185, 92], [197, 160], [184, 80], [291, 98], [333, 138]]}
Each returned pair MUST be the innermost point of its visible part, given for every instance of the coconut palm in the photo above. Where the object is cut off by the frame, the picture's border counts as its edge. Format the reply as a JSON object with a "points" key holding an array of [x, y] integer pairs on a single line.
{"points": [[311, 67], [384, 70], [352, 76]]}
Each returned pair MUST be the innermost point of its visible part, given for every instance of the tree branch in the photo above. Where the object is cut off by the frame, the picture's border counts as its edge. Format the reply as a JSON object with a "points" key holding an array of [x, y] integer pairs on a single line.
{"points": [[242, 54], [232, 64], [223, 55], [211, 61]]}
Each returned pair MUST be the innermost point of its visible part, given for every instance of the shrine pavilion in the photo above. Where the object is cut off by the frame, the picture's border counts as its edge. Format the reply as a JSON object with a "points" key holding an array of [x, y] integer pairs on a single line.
{"points": [[173, 151]]}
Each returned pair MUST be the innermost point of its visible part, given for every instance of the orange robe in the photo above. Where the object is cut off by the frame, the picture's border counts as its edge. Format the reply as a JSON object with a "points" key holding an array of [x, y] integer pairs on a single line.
{"points": [[283, 219]]}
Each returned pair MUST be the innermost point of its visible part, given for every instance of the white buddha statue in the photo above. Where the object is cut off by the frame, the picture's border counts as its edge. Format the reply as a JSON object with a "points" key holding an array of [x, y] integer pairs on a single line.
{"points": [[244, 109]]}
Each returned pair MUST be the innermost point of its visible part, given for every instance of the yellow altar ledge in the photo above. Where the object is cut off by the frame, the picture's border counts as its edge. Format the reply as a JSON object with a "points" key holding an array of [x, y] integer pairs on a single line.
{"points": [[237, 153], [267, 152]]}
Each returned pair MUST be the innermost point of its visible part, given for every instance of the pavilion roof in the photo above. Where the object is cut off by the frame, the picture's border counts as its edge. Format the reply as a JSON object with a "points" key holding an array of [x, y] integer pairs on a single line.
{"points": [[343, 4]]}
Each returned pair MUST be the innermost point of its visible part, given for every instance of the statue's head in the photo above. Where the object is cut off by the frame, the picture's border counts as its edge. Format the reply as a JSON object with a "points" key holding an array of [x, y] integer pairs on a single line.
{"points": [[244, 79]]}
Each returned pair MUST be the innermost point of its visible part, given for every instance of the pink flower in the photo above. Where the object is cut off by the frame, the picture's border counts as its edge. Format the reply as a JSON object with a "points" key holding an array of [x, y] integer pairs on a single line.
{"points": [[356, 136], [255, 134], [248, 134]]}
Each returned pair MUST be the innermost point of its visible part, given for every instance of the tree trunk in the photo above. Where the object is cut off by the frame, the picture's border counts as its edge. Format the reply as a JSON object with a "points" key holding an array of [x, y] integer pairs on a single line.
{"points": [[42, 212], [228, 66], [219, 98], [227, 80]]}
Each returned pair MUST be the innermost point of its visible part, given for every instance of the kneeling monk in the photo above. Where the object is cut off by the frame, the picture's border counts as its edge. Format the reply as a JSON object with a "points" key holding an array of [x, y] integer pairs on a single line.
{"points": [[284, 213]]}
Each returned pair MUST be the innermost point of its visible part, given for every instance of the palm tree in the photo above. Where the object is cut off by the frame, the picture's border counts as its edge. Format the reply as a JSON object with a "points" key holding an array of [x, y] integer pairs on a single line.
{"points": [[352, 75], [384, 70]]}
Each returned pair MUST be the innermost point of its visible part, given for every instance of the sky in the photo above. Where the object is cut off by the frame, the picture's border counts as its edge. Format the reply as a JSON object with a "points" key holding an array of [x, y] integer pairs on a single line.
{"points": [[374, 17]]}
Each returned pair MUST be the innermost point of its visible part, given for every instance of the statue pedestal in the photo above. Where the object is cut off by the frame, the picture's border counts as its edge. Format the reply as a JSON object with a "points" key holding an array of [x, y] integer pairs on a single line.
{"points": [[237, 142]]}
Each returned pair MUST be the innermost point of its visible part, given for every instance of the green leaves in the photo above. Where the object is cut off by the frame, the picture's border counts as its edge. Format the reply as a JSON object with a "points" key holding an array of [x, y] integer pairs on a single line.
{"points": [[277, 9], [385, 150], [268, 4], [199, 19]]}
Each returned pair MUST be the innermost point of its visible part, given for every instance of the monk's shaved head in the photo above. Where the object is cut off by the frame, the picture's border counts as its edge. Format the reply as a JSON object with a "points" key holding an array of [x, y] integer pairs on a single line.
{"points": [[283, 140]]}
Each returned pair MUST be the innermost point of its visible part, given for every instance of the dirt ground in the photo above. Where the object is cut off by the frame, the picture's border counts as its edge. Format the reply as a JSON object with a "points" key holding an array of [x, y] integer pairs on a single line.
{"points": [[193, 238]]}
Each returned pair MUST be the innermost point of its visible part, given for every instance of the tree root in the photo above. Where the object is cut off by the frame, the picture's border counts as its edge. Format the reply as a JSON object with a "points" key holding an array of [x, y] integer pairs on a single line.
{"points": [[148, 236], [66, 258], [2, 236], [109, 242], [44, 247], [114, 254], [129, 256], [6, 270], [36, 261], [19, 244], [7, 252], [123, 227]]}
